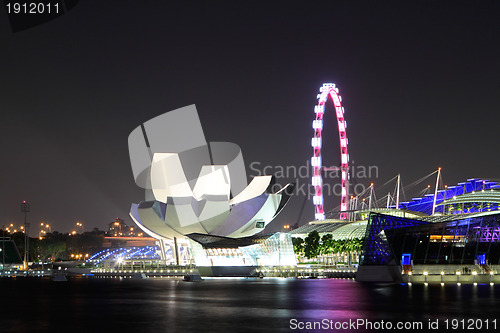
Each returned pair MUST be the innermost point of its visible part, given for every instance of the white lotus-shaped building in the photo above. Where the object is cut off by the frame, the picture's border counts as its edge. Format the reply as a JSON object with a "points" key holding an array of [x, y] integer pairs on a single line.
{"points": [[196, 187]]}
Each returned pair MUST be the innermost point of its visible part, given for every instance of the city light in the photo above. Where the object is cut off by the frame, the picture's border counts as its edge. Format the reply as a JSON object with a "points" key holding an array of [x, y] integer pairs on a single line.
{"points": [[316, 161], [79, 225], [319, 216], [79, 256], [317, 124], [318, 200], [316, 142], [317, 181]]}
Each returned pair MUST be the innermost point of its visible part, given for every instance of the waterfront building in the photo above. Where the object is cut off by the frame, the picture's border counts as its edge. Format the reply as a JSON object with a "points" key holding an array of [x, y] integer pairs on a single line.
{"points": [[223, 256], [471, 238], [196, 187], [465, 228], [9, 254], [463, 233], [118, 228]]}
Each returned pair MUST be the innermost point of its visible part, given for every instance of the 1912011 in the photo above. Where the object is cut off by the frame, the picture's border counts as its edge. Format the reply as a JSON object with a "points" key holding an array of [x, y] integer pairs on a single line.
{"points": [[32, 8]]}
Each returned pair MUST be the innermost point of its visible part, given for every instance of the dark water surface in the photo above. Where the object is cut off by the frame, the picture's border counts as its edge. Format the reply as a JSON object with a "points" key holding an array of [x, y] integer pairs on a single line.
{"points": [[232, 305]]}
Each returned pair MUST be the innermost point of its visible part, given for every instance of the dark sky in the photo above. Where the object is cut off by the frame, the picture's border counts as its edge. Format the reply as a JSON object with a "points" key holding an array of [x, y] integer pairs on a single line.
{"points": [[420, 82]]}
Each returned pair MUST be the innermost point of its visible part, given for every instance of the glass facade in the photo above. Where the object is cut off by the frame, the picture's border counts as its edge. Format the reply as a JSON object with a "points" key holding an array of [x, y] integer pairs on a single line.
{"points": [[457, 240], [376, 248], [350, 231], [276, 250], [339, 230], [270, 250]]}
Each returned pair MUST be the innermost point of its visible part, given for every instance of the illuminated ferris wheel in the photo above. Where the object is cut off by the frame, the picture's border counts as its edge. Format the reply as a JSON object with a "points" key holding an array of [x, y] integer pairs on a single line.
{"points": [[328, 89]]}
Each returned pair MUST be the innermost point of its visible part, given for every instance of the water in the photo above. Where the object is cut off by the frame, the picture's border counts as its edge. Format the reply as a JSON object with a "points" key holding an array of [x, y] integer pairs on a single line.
{"points": [[229, 305]]}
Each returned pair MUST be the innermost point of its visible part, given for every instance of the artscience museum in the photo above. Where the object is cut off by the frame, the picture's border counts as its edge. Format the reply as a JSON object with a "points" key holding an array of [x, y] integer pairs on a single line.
{"points": [[195, 188]]}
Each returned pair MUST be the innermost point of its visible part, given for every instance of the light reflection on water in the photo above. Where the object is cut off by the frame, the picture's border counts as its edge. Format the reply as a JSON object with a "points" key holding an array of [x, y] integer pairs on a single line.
{"points": [[228, 305]]}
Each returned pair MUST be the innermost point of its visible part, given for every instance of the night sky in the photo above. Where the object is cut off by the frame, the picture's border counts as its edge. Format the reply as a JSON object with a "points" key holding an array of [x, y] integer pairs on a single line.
{"points": [[420, 82]]}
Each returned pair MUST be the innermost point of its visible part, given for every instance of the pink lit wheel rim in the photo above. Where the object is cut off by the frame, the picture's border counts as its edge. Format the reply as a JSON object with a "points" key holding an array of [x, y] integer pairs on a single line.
{"points": [[328, 89]]}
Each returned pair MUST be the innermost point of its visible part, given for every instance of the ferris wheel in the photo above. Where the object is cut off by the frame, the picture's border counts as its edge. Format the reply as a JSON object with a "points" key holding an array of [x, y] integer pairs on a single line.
{"points": [[329, 90]]}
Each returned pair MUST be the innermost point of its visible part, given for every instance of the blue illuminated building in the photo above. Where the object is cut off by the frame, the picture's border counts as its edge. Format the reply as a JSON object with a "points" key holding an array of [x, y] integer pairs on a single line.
{"points": [[463, 232], [471, 186], [472, 238]]}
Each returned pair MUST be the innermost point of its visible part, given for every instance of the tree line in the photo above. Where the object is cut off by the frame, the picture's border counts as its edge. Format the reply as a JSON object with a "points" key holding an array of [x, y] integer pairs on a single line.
{"points": [[314, 245], [55, 246]]}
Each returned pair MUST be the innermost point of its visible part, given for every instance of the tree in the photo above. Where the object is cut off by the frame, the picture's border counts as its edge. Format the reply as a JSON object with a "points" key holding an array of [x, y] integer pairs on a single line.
{"points": [[298, 246], [90, 241], [327, 244], [352, 245], [312, 245], [358, 244], [51, 249]]}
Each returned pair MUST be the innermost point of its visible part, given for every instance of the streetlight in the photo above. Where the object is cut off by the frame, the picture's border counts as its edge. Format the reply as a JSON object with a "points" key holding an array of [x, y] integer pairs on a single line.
{"points": [[3, 250], [25, 208], [80, 225]]}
